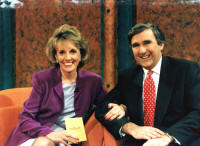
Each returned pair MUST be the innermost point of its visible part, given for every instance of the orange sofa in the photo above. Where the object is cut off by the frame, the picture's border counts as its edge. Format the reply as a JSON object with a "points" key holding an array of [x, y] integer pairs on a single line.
{"points": [[11, 102]]}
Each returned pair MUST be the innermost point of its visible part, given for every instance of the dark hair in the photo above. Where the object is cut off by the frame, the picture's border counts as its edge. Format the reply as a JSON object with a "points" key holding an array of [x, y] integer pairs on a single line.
{"points": [[159, 35], [67, 32]]}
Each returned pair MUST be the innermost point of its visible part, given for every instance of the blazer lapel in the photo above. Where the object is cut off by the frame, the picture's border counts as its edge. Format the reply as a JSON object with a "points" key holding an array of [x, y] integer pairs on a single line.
{"points": [[79, 84], [165, 87], [58, 84]]}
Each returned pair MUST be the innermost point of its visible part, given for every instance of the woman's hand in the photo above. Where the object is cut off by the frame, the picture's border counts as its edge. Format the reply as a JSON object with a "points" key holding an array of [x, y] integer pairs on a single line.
{"points": [[63, 137], [116, 111]]}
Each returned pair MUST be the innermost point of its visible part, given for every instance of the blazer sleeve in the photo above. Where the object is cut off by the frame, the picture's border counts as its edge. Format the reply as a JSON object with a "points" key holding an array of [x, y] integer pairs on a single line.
{"points": [[98, 97], [188, 127], [28, 117], [100, 91], [112, 126]]}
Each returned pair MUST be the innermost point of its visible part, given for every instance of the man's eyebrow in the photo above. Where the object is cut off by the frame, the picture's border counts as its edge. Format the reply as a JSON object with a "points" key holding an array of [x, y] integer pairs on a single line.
{"points": [[147, 41], [134, 44]]}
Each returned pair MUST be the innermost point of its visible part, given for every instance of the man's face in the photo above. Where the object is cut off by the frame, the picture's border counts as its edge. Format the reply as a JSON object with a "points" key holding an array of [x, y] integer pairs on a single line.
{"points": [[145, 48]]}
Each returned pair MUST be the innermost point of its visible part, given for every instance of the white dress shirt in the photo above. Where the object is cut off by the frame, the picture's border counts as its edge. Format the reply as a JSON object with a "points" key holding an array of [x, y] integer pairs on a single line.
{"points": [[155, 76]]}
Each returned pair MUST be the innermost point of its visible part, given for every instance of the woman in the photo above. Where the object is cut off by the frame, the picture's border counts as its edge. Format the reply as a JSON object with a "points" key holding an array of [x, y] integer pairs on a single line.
{"points": [[58, 92]]}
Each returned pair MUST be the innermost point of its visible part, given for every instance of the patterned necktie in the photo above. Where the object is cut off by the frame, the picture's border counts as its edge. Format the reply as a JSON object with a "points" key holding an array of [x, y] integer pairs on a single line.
{"points": [[149, 100]]}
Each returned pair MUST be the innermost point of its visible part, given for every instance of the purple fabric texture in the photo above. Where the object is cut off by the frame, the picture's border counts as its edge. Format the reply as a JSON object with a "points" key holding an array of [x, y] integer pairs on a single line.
{"points": [[46, 103]]}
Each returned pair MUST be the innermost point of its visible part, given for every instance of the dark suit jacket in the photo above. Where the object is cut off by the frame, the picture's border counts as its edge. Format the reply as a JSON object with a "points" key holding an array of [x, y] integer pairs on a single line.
{"points": [[46, 103], [178, 100]]}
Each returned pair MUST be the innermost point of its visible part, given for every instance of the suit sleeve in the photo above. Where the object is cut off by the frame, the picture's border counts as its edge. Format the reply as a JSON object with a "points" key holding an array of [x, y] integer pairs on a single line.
{"points": [[188, 127], [112, 126], [28, 116]]}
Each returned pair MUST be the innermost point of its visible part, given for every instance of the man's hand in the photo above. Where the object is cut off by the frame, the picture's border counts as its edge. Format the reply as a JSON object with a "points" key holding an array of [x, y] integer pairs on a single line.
{"points": [[164, 140], [116, 111], [142, 132]]}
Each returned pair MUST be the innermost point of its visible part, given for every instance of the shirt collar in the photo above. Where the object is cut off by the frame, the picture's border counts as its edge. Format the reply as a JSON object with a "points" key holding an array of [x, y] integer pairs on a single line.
{"points": [[156, 69]]}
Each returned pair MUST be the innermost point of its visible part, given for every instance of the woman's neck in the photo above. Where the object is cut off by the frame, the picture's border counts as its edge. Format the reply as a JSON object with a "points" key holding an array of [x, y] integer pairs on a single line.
{"points": [[69, 78]]}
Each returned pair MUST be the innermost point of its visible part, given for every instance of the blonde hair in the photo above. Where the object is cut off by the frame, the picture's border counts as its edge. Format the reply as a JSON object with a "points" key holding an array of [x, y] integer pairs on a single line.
{"points": [[67, 32]]}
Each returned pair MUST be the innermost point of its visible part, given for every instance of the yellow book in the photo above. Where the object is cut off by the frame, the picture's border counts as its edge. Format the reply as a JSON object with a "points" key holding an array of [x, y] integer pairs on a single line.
{"points": [[75, 126]]}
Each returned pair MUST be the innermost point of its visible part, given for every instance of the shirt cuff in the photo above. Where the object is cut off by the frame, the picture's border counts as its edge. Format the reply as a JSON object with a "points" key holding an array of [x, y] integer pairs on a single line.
{"points": [[173, 138], [176, 140], [121, 133]]}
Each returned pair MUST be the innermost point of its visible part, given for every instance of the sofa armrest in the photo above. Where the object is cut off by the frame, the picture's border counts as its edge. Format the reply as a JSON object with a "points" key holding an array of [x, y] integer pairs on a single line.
{"points": [[8, 120], [5, 101], [97, 134], [14, 96], [109, 140], [94, 132]]}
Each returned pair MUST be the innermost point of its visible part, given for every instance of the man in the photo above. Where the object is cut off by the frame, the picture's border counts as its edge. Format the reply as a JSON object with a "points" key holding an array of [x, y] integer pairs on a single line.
{"points": [[161, 95]]}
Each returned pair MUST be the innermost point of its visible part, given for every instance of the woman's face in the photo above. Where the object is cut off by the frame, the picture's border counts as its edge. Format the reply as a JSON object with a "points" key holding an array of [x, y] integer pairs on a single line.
{"points": [[68, 56]]}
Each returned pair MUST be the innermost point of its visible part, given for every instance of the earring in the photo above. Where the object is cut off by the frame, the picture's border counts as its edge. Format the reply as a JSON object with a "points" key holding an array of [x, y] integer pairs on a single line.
{"points": [[56, 61]]}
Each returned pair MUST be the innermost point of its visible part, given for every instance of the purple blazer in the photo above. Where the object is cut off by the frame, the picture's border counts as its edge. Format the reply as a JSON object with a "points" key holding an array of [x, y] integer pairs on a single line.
{"points": [[46, 103]]}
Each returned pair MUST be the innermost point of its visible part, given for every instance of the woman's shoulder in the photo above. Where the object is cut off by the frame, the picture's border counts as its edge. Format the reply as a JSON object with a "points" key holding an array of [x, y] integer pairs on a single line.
{"points": [[88, 74], [46, 73]]}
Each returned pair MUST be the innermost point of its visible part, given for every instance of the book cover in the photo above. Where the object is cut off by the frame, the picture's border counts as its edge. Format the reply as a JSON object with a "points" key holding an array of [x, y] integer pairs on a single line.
{"points": [[75, 126]]}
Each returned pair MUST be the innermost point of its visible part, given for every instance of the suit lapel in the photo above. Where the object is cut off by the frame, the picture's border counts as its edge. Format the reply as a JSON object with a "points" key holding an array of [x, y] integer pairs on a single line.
{"points": [[136, 91], [138, 77], [165, 87]]}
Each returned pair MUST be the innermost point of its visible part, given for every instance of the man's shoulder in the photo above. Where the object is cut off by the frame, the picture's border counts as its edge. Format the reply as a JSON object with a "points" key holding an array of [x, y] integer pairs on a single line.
{"points": [[130, 69], [179, 62], [130, 72]]}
